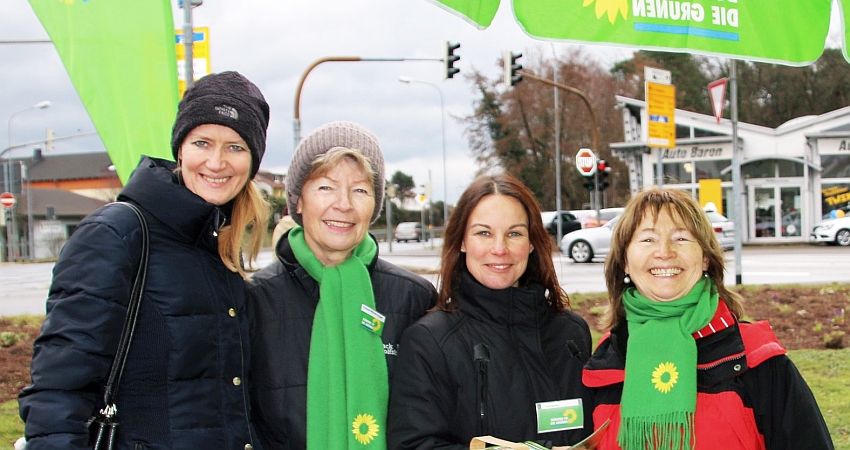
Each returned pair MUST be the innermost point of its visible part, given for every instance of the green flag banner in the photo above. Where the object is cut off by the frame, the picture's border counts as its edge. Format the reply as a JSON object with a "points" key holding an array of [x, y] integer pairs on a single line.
{"points": [[845, 19], [120, 55], [479, 13], [790, 32]]}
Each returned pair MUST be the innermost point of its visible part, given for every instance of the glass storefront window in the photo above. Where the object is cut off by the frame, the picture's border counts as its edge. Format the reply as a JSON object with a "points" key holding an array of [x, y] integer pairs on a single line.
{"points": [[677, 173], [759, 169], [835, 198], [706, 170], [835, 166], [790, 168]]}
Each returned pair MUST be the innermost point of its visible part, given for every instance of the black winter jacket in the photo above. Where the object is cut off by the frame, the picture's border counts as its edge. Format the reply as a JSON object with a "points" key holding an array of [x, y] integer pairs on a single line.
{"points": [[442, 398], [750, 396], [184, 383], [282, 301]]}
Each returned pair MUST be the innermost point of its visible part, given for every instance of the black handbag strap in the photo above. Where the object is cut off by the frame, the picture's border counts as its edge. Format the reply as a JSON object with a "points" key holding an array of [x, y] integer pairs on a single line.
{"points": [[120, 360]]}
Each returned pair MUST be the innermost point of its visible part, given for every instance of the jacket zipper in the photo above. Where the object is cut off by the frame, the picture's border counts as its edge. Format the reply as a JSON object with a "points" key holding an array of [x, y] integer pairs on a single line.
{"points": [[720, 361], [482, 358]]}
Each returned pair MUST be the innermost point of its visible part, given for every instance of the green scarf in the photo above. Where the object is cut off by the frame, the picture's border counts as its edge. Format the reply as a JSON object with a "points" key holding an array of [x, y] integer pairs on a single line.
{"points": [[660, 389], [347, 383]]}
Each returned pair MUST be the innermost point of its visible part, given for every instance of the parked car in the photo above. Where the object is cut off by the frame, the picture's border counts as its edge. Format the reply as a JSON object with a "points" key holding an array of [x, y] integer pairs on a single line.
{"points": [[724, 228], [584, 245], [569, 222], [833, 231], [605, 214], [410, 231]]}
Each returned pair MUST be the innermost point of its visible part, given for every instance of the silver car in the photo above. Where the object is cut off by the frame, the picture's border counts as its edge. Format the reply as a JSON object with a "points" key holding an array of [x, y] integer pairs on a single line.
{"points": [[724, 228], [588, 243], [833, 231]]}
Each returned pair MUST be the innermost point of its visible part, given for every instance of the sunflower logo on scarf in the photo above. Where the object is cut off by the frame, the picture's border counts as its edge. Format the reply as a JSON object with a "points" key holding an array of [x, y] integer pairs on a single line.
{"points": [[365, 428], [665, 376]]}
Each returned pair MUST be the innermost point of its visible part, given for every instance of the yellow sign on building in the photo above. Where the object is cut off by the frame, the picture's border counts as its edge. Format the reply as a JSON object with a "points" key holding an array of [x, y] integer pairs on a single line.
{"points": [[200, 56], [660, 107]]}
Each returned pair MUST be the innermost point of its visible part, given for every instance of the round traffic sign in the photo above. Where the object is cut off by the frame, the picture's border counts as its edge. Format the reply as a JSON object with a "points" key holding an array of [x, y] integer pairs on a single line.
{"points": [[7, 199], [586, 162]]}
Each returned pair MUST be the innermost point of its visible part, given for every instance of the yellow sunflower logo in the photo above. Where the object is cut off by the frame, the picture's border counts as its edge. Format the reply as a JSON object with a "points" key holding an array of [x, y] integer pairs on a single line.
{"points": [[571, 415], [365, 428], [612, 7], [665, 376]]}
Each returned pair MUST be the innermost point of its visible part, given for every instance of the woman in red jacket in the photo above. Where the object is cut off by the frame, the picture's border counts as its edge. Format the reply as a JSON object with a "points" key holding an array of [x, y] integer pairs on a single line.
{"points": [[678, 370]]}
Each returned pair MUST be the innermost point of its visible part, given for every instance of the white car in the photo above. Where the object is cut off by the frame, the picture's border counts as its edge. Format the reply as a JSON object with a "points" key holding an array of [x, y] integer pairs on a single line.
{"points": [[833, 231], [724, 228], [588, 243]]}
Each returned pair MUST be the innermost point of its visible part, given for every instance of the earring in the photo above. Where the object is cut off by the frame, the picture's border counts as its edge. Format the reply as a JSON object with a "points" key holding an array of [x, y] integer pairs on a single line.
{"points": [[705, 274], [627, 280]]}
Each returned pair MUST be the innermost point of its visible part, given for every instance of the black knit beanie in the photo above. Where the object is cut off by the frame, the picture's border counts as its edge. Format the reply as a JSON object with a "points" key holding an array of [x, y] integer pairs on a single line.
{"points": [[227, 99]]}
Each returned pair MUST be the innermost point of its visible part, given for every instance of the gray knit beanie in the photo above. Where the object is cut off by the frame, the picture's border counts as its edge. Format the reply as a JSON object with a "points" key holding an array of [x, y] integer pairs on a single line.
{"points": [[334, 134], [227, 99]]}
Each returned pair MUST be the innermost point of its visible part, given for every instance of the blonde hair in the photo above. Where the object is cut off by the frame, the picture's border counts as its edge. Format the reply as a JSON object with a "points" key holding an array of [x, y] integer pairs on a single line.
{"points": [[250, 210], [327, 161]]}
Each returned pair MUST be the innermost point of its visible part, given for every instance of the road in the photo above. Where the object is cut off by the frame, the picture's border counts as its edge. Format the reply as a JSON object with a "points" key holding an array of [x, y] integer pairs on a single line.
{"points": [[23, 287]]}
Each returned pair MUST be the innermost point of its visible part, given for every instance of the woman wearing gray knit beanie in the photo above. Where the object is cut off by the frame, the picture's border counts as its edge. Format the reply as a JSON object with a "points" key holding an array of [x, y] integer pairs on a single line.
{"points": [[338, 309]]}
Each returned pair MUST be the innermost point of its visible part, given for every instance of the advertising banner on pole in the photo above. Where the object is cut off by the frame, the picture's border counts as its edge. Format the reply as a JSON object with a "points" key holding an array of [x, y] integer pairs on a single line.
{"points": [[766, 31]]}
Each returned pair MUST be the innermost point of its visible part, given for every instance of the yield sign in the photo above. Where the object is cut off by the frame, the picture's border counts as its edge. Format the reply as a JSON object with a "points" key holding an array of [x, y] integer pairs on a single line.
{"points": [[717, 94], [586, 162]]}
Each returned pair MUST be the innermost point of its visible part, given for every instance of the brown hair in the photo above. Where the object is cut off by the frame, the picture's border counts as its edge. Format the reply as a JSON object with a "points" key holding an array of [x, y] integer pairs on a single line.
{"points": [[683, 209], [540, 267]]}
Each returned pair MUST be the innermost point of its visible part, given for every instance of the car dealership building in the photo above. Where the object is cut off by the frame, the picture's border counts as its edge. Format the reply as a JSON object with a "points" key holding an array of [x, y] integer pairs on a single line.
{"points": [[793, 175]]}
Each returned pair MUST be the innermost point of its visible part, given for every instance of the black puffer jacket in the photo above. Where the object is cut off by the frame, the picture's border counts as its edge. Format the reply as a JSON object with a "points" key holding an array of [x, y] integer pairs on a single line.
{"points": [[184, 382], [282, 301], [536, 355]]}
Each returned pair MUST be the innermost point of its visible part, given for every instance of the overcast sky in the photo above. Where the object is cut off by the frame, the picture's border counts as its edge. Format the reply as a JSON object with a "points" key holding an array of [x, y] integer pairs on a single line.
{"points": [[272, 42]]}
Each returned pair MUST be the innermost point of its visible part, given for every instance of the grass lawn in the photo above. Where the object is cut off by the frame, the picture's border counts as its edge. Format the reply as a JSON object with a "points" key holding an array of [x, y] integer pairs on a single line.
{"points": [[828, 374]]}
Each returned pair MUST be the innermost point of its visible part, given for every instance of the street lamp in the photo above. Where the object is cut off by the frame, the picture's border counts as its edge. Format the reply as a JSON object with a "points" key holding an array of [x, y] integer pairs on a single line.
{"points": [[11, 232], [405, 79]]}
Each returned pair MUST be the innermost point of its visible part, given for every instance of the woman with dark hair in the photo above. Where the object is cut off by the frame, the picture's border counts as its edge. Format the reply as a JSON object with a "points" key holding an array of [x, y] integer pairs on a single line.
{"points": [[501, 347], [694, 377]]}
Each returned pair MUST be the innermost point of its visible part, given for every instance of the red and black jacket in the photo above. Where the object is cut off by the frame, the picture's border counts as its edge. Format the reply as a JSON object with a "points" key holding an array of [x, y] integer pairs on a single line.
{"points": [[749, 393]]}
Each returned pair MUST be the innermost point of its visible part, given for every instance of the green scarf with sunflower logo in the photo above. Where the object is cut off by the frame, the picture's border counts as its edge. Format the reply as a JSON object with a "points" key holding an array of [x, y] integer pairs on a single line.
{"points": [[347, 383], [660, 390]]}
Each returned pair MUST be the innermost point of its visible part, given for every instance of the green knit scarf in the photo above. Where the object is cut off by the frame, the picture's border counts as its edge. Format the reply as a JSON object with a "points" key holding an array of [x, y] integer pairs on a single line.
{"points": [[347, 383], [660, 389]]}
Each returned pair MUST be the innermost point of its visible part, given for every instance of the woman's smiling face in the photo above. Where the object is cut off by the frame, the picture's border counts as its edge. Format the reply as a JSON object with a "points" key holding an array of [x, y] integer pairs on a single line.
{"points": [[664, 259], [496, 242]]}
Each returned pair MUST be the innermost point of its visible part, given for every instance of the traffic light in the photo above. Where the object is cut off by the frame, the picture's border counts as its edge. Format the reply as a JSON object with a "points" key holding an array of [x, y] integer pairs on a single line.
{"points": [[602, 171], [589, 183], [512, 77], [449, 58]]}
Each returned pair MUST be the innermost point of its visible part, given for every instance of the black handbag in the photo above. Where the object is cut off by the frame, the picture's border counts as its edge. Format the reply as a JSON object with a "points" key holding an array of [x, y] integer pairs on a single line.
{"points": [[103, 425]]}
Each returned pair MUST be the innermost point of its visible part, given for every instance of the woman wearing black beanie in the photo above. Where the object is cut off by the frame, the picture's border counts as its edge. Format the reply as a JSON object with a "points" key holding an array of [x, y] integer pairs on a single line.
{"points": [[185, 381]]}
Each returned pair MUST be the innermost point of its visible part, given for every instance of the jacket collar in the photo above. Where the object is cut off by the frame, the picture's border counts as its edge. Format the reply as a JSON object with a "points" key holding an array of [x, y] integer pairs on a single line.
{"points": [[514, 306], [158, 190], [720, 352]]}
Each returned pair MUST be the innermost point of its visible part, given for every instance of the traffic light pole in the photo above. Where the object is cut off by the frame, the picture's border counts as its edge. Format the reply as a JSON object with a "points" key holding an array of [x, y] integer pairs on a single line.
{"points": [[296, 121]]}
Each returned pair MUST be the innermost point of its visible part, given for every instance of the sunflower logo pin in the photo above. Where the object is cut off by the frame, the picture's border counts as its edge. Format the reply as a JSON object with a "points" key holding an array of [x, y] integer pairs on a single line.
{"points": [[664, 377], [611, 7], [365, 428]]}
